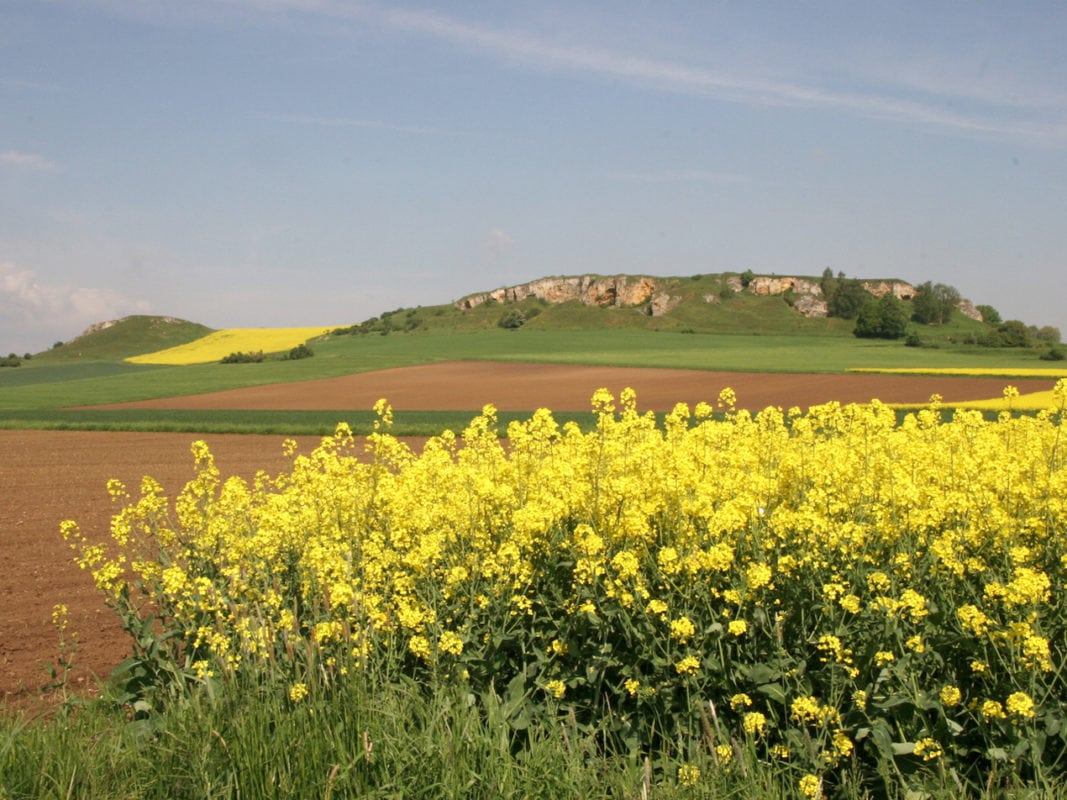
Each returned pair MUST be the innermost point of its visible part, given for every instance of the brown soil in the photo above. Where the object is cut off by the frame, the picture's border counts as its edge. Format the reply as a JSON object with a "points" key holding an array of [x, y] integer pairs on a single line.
{"points": [[49, 476], [468, 385]]}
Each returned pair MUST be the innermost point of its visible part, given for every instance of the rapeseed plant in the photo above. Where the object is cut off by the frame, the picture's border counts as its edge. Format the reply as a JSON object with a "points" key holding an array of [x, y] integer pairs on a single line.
{"points": [[852, 591]]}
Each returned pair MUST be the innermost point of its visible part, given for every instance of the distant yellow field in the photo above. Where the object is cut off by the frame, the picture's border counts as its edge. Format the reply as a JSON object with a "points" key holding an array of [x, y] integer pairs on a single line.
{"points": [[1024, 372], [216, 346]]}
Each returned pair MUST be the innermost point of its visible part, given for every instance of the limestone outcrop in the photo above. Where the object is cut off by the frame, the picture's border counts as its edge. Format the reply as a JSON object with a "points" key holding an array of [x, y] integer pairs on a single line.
{"points": [[805, 295], [592, 290]]}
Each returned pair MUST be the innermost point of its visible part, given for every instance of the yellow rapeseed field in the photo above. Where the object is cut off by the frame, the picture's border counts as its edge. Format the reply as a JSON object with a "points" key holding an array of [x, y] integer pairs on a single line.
{"points": [[1032, 401], [220, 344], [828, 591]]}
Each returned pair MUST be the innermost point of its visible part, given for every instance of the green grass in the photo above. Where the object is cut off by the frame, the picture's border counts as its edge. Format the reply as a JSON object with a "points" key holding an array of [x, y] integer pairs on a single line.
{"points": [[130, 336], [55, 386], [292, 423], [246, 739]]}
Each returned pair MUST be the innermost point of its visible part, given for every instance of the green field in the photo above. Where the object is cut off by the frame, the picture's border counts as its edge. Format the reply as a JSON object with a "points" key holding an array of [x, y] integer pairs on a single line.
{"points": [[41, 386], [745, 333]]}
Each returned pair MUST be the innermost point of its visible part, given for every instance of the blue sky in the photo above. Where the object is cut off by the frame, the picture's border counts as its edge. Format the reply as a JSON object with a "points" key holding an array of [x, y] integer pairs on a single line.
{"points": [[303, 162]]}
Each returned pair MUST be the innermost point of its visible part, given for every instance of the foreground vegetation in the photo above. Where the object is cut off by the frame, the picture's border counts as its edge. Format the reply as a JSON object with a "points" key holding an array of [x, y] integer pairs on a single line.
{"points": [[831, 603]]}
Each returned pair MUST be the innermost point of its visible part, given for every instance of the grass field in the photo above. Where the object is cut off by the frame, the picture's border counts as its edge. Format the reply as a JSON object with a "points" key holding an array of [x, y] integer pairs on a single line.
{"points": [[43, 385]]}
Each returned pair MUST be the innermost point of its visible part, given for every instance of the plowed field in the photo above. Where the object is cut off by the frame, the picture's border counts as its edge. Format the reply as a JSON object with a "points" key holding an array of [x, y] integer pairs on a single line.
{"points": [[49, 476]]}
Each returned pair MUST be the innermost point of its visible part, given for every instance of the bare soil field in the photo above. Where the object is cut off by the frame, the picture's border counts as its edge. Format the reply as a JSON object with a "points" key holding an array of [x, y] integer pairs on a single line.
{"points": [[468, 385], [50, 476]]}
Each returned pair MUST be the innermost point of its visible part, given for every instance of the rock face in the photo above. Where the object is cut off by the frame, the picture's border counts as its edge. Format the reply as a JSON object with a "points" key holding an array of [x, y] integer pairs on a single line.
{"points": [[592, 290], [763, 285], [968, 309], [903, 291], [625, 291]]}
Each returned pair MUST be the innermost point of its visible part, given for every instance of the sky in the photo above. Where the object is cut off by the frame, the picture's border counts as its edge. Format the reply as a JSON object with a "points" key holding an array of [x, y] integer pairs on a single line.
{"points": [[246, 163]]}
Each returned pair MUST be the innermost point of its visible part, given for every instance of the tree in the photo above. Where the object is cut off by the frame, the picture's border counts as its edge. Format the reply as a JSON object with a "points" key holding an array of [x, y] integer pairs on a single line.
{"points": [[1047, 333], [848, 298], [1012, 333], [989, 314], [884, 318], [934, 303], [746, 278]]}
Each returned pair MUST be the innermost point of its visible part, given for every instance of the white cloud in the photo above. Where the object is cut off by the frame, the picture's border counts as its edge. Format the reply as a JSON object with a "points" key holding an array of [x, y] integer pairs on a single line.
{"points": [[17, 158], [28, 303]]}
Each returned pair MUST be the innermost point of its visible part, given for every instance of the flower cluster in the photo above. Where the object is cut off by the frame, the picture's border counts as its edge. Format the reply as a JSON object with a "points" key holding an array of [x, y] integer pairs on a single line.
{"points": [[825, 588]]}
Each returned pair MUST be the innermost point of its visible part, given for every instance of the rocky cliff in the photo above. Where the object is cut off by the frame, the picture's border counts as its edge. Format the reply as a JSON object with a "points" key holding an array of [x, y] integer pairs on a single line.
{"points": [[625, 291]]}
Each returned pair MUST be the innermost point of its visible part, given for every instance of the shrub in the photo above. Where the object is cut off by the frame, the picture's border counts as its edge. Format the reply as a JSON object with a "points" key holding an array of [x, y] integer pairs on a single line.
{"points": [[848, 298], [512, 319], [11, 360], [884, 318], [298, 352], [1053, 354], [243, 358]]}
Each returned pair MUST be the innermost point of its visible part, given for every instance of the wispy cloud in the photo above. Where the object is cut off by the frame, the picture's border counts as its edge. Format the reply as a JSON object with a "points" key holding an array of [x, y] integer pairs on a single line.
{"points": [[372, 124], [999, 119], [24, 297], [925, 101], [21, 160]]}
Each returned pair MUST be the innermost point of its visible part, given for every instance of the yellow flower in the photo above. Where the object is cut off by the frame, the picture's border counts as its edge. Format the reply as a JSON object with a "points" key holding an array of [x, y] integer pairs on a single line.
{"points": [[556, 688], [851, 603], [810, 786], [991, 709], [739, 701], [689, 665], [1020, 704], [725, 753], [688, 775], [632, 686], [451, 643], [754, 723], [950, 696], [928, 749], [297, 692], [682, 629], [420, 646], [737, 627]]}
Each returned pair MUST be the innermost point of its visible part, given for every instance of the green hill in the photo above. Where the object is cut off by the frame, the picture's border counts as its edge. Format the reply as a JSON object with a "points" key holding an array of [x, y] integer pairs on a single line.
{"points": [[713, 303], [122, 338]]}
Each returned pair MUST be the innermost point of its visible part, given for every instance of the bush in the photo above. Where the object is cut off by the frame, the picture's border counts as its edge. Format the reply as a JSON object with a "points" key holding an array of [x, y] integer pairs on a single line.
{"points": [[298, 352], [913, 339], [1053, 354], [990, 315], [884, 318], [243, 358], [848, 298], [512, 319], [11, 361]]}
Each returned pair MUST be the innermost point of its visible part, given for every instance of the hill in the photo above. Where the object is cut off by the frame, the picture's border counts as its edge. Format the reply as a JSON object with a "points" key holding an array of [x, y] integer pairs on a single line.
{"points": [[126, 337], [712, 303]]}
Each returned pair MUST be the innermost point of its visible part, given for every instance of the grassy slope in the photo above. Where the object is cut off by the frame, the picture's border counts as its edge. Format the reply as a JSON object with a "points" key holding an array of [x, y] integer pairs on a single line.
{"points": [[130, 336], [742, 332]]}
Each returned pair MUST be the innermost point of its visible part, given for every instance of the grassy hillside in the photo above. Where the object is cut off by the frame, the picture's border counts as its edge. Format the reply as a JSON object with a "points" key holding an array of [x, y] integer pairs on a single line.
{"points": [[129, 336]]}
